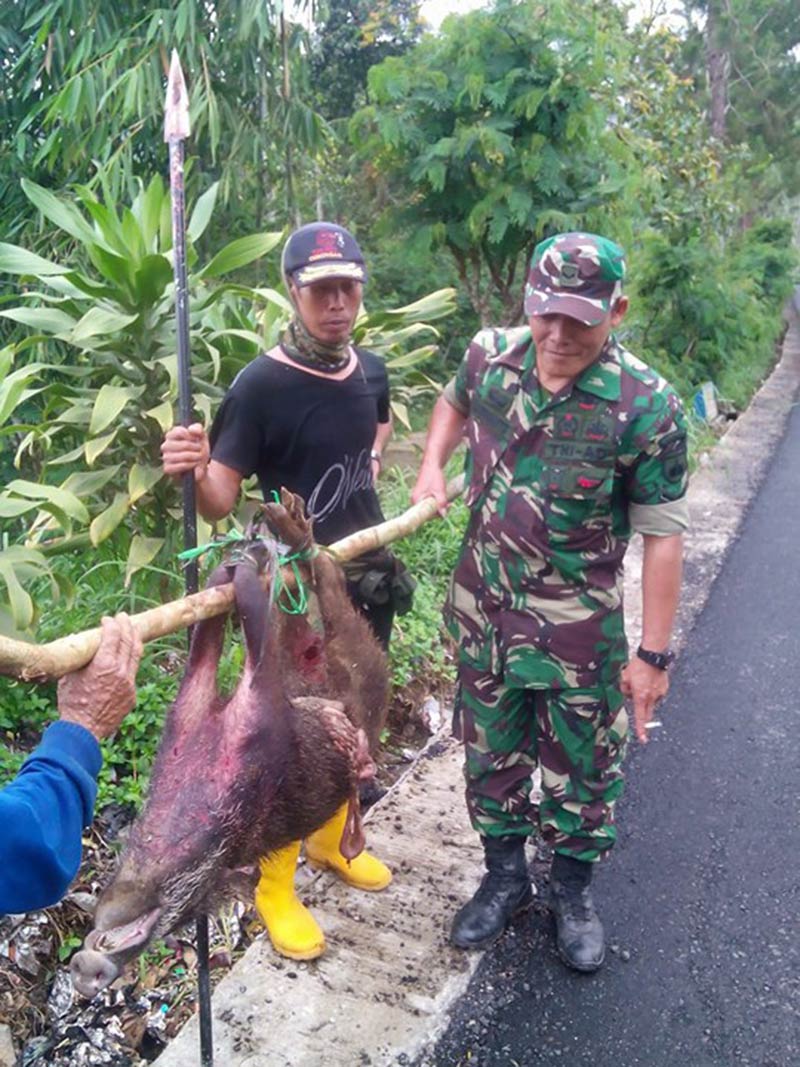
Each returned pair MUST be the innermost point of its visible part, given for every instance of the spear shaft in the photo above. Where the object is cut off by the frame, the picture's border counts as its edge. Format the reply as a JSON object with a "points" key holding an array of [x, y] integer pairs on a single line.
{"points": [[176, 130]]}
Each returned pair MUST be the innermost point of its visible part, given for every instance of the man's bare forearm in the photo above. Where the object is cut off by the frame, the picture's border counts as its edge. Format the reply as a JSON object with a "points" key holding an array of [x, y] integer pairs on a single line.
{"points": [[662, 569], [217, 491], [382, 436]]}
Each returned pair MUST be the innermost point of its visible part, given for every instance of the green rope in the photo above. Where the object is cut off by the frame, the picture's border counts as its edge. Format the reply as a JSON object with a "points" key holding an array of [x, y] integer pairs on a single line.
{"points": [[289, 602], [215, 546]]}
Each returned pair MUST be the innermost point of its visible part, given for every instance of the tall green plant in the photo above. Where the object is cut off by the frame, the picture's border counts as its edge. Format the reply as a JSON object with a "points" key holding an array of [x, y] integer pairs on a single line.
{"points": [[109, 332], [82, 92]]}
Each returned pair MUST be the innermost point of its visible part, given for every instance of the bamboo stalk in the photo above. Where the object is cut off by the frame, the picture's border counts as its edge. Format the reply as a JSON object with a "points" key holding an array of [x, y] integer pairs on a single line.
{"points": [[41, 663]]}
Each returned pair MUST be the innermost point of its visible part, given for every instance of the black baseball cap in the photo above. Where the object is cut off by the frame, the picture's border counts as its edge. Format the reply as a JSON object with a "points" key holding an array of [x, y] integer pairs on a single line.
{"points": [[322, 250]]}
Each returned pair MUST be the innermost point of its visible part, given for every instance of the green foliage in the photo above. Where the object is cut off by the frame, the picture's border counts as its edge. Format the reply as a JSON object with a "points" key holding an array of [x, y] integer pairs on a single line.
{"points": [[353, 36], [82, 93], [416, 649], [25, 706], [495, 133], [708, 310], [128, 756], [758, 45], [109, 335], [69, 943], [389, 334]]}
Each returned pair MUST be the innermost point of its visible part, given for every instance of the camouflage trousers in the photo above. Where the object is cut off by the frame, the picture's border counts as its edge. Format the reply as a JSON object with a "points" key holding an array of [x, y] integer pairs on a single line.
{"points": [[576, 737]]}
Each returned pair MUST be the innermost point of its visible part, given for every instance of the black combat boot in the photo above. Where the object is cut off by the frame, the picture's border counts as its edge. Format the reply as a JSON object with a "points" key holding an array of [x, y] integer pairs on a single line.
{"points": [[580, 933], [504, 891]]}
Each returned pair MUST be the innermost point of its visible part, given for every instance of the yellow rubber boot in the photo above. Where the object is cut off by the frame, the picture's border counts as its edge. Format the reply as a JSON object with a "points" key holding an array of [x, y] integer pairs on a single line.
{"points": [[322, 851], [292, 928]]}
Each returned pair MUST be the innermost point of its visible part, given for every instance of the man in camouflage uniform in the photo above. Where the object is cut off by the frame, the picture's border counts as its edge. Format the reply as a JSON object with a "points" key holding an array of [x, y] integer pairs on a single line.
{"points": [[573, 443]]}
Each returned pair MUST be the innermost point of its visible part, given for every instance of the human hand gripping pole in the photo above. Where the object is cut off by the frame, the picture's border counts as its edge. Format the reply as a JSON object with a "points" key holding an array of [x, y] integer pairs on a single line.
{"points": [[100, 695]]}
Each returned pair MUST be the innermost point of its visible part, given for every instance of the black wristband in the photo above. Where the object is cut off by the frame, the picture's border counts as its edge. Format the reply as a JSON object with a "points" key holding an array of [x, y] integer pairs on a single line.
{"points": [[661, 660]]}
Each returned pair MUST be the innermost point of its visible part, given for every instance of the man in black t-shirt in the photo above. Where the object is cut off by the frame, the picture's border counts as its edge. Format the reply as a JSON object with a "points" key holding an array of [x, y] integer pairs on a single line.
{"points": [[311, 415]]}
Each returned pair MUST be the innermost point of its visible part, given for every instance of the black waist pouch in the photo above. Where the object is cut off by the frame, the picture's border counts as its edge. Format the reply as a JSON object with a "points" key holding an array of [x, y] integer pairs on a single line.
{"points": [[380, 577]]}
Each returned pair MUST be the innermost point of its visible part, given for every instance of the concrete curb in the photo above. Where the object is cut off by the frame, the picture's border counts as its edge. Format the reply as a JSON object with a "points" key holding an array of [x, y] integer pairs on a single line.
{"points": [[382, 991]]}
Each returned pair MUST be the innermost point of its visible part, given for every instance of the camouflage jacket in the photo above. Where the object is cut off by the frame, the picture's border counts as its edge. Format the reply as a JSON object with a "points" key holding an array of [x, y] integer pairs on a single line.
{"points": [[555, 484]]}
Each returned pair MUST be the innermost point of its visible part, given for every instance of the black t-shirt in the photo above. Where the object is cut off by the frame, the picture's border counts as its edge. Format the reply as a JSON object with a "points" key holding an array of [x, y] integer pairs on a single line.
{"points": [[311, 434]]}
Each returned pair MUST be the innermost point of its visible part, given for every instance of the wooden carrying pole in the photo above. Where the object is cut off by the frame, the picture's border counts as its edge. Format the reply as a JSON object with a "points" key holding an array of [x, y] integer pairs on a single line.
{"points": [[40, 663]]}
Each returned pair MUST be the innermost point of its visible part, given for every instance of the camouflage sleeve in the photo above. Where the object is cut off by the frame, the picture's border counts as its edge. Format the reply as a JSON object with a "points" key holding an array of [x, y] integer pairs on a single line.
{"points": [[456, 398], [463, 383], [459, 390], [659, 473]]}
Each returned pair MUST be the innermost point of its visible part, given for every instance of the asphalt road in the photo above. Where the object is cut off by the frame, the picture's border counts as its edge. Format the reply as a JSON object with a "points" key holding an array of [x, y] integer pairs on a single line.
{"points": [[700, 898]]}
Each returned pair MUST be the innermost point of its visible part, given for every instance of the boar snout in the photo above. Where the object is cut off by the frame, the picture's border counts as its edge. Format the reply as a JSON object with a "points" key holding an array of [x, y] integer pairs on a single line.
{"points": [[105, 951], [92, 971]]}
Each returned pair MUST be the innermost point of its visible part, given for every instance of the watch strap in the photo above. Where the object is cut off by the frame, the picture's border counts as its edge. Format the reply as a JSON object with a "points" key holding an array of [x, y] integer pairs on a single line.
{"points": [[661, 660]]}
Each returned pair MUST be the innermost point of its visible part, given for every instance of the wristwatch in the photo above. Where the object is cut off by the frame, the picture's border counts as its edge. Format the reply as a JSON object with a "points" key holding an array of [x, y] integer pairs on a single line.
{"points": [[661, 660], [375, 454]]}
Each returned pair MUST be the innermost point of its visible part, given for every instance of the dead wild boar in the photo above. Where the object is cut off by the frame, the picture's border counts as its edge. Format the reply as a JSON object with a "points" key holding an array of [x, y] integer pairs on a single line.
{"points": [[235, 779]]}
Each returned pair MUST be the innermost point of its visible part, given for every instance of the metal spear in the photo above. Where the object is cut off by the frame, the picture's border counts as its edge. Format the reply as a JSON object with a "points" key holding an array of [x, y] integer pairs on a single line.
{"points": [[176, 130]]}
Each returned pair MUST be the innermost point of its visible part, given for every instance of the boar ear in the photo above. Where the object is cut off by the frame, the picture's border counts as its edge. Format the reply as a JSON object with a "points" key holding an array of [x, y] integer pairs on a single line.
{"points": [[352, 841]]}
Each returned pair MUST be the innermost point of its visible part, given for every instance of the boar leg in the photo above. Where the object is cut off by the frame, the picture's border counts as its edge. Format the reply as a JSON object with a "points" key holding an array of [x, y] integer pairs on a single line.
{"points": [[283, 784], [356, 663], [289, 522], [354, 660]]}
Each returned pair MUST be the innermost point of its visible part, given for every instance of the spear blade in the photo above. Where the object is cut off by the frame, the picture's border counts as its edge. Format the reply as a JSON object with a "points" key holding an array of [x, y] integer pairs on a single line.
{"points": [[176, 105]]}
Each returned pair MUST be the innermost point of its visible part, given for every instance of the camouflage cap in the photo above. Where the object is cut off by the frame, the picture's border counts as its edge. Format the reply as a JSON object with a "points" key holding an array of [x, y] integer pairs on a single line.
{"points": [[575, 274]]}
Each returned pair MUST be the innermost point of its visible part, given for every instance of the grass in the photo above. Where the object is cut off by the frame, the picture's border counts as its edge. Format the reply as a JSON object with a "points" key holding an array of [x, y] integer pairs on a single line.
{"points": [[417, 649]]}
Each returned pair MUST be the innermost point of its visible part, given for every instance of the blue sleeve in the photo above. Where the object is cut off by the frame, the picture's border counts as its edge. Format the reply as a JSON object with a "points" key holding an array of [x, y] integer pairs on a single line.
{"points": [[42, 814]]}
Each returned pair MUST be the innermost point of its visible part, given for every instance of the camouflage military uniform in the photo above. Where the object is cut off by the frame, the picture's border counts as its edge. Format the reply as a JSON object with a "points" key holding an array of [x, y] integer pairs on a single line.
{"points": [[555, 485]]}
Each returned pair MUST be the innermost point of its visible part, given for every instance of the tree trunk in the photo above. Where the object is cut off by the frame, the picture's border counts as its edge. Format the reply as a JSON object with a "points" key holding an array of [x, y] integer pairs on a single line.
{"points": [[718, 69], [291, 205]]}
